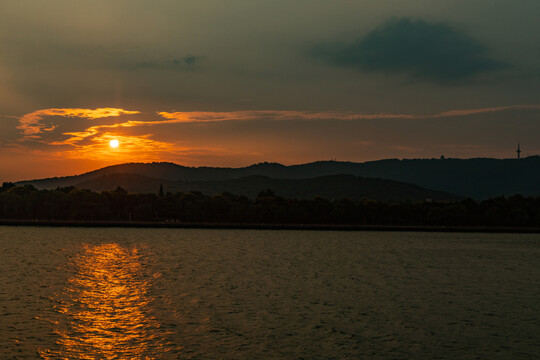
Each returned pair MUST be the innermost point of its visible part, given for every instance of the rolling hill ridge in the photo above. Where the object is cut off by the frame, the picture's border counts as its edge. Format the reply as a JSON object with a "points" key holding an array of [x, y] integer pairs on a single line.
{"points": [[476, 178]]}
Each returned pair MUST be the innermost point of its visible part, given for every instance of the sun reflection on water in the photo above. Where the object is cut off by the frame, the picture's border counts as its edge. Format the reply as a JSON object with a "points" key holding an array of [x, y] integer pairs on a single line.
{"points": [[105, 311]]}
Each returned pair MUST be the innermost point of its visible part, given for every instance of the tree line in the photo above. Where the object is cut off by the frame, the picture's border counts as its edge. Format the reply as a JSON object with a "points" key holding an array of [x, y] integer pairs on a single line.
{"points": [[70, 203]]}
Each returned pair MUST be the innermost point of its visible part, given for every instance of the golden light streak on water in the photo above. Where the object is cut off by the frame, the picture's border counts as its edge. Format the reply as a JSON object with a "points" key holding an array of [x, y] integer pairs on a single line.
{"points": [[106, 309]]}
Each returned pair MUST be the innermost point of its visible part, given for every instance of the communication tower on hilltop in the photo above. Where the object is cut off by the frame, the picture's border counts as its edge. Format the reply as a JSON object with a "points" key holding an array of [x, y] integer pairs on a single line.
{"points": [[518, 151]]}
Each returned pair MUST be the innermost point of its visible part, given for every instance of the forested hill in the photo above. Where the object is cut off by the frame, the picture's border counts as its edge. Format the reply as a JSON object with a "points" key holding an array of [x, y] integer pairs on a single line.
{"points": [[329, 187], [477, 178]]}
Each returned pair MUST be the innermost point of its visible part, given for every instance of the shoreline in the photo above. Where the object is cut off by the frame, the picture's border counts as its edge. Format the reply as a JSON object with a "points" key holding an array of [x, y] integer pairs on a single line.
{"points": [[251, 226]]}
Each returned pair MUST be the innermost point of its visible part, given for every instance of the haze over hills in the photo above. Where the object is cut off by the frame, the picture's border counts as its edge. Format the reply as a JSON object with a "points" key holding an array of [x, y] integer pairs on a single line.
{"points": [[478, 178]]}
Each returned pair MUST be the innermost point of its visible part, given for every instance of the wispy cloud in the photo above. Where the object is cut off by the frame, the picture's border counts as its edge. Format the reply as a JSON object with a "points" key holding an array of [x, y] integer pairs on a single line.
{"points": [[466, 112], [93, 142], [200, 116], [31, 124], [9, 117]]}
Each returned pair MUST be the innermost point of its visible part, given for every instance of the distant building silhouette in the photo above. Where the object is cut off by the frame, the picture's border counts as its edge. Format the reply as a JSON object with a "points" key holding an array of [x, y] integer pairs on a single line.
{"points": [[518, 151]]}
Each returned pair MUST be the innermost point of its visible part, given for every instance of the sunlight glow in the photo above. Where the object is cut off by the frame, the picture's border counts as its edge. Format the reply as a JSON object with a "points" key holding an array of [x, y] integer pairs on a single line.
{"points": [[106, 308], [114, 143]]}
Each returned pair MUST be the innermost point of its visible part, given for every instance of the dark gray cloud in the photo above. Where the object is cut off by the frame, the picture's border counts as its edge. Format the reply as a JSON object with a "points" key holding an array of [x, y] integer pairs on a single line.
{"points": [[433, 51], [189, 62], [70, 54]]}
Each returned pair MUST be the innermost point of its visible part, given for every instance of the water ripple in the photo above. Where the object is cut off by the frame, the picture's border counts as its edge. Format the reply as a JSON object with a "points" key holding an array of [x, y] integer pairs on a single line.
{"points": [[105, 310]]}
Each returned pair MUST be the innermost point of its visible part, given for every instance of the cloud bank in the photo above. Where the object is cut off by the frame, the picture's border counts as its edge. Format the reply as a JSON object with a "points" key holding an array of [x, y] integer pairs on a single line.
{"points": [[431, 51]]}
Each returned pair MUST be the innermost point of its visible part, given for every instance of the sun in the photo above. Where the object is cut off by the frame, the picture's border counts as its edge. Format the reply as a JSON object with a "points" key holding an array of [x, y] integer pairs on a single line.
{"points": [[114, 143]]}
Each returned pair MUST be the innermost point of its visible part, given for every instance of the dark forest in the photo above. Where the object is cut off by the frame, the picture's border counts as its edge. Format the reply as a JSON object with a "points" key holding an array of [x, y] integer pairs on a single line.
{"points": [[73, 204]]}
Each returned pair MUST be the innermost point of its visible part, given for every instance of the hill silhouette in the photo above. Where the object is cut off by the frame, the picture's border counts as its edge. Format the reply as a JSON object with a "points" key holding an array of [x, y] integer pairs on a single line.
{"points": [[329, 187], [478, 178]]}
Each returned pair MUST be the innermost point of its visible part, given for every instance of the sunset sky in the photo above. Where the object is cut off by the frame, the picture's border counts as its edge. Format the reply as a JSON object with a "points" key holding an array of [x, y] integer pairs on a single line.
{"points": [[232, 83]]}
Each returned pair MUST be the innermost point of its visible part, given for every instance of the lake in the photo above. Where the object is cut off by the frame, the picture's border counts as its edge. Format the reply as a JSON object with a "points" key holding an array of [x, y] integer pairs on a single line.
{"points": [[114, 293]]}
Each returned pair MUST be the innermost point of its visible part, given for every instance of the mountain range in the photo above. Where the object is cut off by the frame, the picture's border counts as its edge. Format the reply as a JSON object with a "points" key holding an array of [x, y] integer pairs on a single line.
{"points": [[391, 180]]}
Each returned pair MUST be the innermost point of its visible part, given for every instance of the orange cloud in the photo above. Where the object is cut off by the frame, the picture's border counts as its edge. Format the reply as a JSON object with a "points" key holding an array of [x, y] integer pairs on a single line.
{"points": [[142, 148], [93, 142], [201, 116], [484, 110], [31, 124]]}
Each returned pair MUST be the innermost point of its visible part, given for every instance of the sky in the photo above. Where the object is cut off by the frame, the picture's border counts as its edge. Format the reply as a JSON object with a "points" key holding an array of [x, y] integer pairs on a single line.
{"points": [[237, 82]]}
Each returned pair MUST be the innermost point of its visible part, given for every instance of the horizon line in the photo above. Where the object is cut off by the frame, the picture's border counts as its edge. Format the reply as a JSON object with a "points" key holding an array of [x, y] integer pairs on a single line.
{"points": [[442, 158]]}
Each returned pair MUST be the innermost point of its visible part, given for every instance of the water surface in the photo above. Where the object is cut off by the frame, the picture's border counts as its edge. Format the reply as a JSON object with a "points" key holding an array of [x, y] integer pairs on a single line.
{"points": [[96, 293]]}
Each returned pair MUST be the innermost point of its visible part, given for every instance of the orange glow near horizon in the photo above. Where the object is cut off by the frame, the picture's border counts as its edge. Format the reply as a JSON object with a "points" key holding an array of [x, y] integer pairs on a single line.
{"points": [[142, 148], [67, 141]]}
